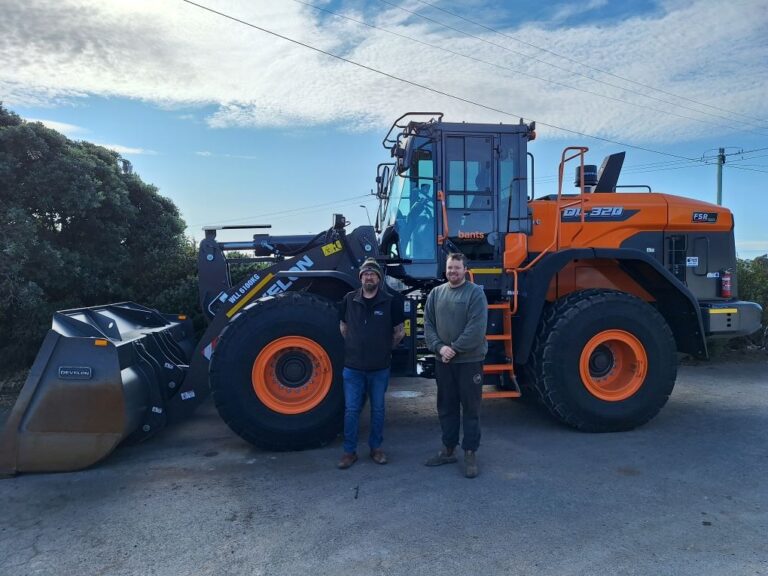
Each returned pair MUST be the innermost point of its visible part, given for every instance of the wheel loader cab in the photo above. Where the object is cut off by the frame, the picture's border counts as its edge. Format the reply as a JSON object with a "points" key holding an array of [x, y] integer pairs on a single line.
{"points": [[409, 208], [454, 187]]}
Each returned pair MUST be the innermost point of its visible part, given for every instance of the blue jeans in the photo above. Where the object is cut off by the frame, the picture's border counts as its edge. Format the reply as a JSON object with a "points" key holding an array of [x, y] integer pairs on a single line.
{"points": [[356, 384]]}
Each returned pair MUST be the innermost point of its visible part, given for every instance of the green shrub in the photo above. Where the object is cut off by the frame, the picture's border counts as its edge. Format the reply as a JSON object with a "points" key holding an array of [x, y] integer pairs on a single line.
{"points": [[752, 277], [78, 229]]}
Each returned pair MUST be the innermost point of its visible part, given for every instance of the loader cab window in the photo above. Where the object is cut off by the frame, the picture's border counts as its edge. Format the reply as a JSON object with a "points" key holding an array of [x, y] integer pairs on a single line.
{"points": [[411, 207], [470, 174]]}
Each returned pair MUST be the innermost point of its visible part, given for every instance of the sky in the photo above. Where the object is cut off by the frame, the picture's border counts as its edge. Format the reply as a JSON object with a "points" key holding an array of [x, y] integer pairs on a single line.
{"points": [[276, 114]]}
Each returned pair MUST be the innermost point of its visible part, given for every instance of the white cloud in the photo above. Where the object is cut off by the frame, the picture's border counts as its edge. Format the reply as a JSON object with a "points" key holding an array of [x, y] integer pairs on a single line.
{"points": [[208, 154], [127, 150], [174, 54], [565, 11], [69, 130]]}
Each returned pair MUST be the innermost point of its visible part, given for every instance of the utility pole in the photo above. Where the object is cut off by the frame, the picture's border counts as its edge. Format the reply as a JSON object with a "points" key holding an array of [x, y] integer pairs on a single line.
{"points": [[720, 162]]}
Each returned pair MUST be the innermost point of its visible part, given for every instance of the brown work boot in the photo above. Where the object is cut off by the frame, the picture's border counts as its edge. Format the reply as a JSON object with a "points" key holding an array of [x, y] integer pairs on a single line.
{"points": [[378, 456], [470, 464], [347, 459], [445, 456]]}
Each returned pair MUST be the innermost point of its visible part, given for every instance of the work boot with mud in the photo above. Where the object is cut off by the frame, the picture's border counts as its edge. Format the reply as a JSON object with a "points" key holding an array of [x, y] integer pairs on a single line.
{"points": [[445, 456], [470, 464]]}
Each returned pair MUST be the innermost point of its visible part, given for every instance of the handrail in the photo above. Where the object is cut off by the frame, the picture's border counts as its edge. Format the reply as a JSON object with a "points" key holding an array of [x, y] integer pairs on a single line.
{"points": [[388, 143], [514, 292], [443, 237], [556, 239]]}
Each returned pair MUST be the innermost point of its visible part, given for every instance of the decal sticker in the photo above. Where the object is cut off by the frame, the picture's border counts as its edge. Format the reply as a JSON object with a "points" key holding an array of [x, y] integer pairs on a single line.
{"points": [[691, 261], [650, 250], [713, 274], [477, 378], [332, 248], [705, 217], [407, 326], [281, 286], [407, 306], [75, 372], [240, 292], [471, 235], [187, 395], [157, 410], [241, 299], [598, 214]]}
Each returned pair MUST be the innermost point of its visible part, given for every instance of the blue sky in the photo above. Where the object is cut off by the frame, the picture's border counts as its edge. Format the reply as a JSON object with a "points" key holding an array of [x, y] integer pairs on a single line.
{"points": [[239, 126]]}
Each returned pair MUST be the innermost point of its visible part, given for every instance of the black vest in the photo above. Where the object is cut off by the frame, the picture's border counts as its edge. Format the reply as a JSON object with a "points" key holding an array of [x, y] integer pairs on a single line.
{"points": [[368, 345]]}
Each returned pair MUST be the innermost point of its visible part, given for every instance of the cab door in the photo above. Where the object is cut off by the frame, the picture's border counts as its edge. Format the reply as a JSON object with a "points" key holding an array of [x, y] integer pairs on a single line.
{"points": [[471, 192]]}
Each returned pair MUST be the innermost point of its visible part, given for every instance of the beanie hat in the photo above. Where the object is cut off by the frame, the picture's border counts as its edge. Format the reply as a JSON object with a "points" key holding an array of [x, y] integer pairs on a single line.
{"points": [[370, 265]]}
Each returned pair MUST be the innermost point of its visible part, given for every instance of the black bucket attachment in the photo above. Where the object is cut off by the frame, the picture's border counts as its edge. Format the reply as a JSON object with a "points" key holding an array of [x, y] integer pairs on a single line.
{"points": [[103, 375]]}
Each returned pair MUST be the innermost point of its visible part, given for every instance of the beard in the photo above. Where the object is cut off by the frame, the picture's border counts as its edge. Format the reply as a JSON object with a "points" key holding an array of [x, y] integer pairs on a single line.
{"points": [[369, 286]]}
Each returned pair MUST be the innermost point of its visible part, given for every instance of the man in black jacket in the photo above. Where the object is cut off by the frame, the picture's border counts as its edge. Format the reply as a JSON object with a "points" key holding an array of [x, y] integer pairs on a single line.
{"points": [[371, 322]]}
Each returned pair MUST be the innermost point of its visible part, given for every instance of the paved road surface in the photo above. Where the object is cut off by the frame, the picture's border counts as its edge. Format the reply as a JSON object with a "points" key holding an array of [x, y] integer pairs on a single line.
{"points": [[685, 494]]}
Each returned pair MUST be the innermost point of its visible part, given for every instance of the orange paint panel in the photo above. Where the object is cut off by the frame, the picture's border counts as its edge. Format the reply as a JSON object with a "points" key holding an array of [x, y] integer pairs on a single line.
{"points": [[681, 212], [644, 212], [586, 274]]}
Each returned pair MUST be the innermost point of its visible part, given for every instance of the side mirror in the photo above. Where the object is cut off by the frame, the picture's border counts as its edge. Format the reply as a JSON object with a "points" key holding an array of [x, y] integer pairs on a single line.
{"points": [[404, 155], [383, 174]]}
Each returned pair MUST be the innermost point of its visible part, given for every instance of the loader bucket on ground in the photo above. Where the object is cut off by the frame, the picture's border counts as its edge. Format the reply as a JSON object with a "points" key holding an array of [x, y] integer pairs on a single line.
{"points": [[102, 375]]}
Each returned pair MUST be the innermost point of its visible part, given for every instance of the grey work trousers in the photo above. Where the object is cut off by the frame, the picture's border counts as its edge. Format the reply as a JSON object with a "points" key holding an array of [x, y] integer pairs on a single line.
{"points": [[459, 394]]}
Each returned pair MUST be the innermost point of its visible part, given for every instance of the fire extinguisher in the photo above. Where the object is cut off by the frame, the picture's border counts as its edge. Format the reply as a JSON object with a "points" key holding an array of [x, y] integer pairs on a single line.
{"points": [[726, 278]]}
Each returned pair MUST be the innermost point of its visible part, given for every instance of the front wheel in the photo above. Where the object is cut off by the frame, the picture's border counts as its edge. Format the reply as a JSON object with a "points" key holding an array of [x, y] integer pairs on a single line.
{"points": [[276, 373], [603, 361]]}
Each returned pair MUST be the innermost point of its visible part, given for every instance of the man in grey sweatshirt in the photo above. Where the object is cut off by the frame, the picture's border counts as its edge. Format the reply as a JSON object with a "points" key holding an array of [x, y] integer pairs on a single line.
{"points": [[455, 320]]}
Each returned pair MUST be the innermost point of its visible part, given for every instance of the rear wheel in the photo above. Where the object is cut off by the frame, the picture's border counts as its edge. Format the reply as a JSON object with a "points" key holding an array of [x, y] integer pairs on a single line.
{"points": [[603, 361], [276, 373]]}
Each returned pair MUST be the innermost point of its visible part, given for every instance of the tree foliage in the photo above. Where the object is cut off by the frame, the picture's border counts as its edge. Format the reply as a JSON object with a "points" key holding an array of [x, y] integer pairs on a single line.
{"points": [[76, 229], [753, 282]]}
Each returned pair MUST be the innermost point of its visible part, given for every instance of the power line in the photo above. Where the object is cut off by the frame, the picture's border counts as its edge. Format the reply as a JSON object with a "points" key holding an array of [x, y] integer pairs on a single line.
{"points": [[748, 151], [744, 168], [580, 63], [635, 167], [423, 86], [663, 167], [290, 211], [509, 68], [561, 68], [747, 159]]}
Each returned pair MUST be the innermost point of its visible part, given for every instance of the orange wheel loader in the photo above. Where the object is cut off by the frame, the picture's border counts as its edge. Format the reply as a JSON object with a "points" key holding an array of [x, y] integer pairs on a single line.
{"points": [[593, 294]]}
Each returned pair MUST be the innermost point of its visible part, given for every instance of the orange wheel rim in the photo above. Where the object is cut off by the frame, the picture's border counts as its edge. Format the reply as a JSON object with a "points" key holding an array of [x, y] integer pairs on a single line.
{"points": [[292, 375], [613, 365]]}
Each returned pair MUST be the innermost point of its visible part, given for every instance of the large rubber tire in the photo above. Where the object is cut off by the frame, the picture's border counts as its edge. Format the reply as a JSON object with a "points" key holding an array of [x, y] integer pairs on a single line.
{"points": [[603, 361], [276, 373]]}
